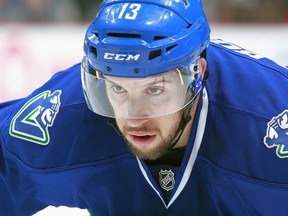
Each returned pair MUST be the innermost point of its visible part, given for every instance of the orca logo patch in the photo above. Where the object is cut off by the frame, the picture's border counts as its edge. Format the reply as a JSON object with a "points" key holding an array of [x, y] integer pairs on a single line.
{"points": [[277, 134], [33, 120]]}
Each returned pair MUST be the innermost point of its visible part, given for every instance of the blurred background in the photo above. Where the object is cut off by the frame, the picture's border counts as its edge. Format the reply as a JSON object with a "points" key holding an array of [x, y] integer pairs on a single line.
{"points": [[265, 11], [39, 38]]}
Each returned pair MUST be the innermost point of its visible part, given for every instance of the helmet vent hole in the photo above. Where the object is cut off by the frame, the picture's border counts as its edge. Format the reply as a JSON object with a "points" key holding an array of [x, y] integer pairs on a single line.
{"points": [[92, 71], [159, 38], [124, 35], [94, 50], [154, 54], [188, 26], [170, 47]]}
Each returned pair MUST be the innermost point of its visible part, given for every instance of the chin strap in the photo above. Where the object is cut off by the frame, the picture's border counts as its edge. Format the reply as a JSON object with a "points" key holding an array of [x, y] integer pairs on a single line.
{"points": [[112, 122], [184, 121], [186, 115]]}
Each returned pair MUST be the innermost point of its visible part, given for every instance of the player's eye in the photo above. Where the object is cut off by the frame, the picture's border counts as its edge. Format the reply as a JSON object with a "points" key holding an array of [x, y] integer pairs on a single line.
{"points": [[118, 89], [155, 90]]}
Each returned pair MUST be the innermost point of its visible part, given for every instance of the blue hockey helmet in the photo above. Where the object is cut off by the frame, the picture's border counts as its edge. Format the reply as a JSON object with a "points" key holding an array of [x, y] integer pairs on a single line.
{"points": [[143, 39]]}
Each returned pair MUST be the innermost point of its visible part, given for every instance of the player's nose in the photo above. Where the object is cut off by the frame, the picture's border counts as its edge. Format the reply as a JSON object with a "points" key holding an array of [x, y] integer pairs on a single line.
{"points": [[136, 122], [138, 108]]}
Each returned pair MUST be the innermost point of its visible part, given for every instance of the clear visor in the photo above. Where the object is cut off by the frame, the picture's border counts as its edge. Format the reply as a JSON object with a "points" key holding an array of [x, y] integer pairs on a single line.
{"points": [[134, 98]]}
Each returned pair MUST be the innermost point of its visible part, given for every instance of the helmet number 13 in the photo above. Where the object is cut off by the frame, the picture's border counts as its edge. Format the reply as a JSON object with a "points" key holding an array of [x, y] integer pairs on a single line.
{"points": [[129, 11]]}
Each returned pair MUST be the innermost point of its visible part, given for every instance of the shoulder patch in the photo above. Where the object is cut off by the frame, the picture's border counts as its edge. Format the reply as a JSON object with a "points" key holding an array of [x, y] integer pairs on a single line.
{"points": [[277, 134], [32, 121]]}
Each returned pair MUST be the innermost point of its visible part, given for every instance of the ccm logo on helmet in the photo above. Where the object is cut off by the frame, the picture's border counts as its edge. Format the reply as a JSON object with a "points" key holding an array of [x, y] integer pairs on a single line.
{"points": [[121, 57]]}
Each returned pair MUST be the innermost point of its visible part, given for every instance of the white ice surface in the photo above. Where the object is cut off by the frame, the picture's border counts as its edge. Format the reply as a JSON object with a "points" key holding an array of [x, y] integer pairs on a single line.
{"points": [[62, 211]]}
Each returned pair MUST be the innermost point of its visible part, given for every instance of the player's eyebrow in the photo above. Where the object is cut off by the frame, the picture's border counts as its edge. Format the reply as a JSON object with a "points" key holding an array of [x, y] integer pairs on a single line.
{"points": [[149, 83], [155, 82]]}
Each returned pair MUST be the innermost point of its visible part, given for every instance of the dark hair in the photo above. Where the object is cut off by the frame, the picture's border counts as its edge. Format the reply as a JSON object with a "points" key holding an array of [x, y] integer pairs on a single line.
{"points": [[203, 54]]}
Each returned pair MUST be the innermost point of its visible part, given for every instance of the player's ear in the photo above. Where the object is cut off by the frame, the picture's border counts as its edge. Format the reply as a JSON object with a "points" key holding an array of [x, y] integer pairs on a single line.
{"points": [[203, 65]]}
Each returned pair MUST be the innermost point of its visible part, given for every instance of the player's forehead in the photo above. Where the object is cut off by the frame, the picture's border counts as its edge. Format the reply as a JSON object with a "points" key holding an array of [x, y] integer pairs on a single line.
{"points": [[169, 77]]}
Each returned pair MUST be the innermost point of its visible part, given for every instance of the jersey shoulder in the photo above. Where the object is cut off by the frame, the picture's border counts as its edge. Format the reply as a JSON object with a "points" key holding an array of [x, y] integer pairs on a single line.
{"points": [[53, 126], [247, 118], [245, 80]]}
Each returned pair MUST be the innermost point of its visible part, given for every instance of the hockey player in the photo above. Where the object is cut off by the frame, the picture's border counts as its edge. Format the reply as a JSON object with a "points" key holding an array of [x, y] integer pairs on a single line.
{"points": [[202, 126]]}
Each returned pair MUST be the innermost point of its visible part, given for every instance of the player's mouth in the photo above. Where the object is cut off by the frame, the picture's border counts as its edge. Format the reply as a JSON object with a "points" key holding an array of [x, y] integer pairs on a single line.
{"points": [[141, 138]]}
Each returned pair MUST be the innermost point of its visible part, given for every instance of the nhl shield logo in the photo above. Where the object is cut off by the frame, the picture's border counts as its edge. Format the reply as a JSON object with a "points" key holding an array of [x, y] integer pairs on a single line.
{"points": [[166, 179], [277, 134]]}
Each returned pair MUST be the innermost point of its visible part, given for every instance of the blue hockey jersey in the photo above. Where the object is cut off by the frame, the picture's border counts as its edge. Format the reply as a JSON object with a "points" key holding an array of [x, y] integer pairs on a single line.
{"points": [[55, 151]]}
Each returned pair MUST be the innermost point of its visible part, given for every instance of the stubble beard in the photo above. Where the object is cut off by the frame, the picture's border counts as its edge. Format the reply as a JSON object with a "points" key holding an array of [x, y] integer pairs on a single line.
{"points": [[163, 146]]}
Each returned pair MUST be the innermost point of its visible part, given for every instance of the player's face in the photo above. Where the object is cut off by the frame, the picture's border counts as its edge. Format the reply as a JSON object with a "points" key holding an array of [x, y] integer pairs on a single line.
{"points": [[138, 105], [150, 138]]}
